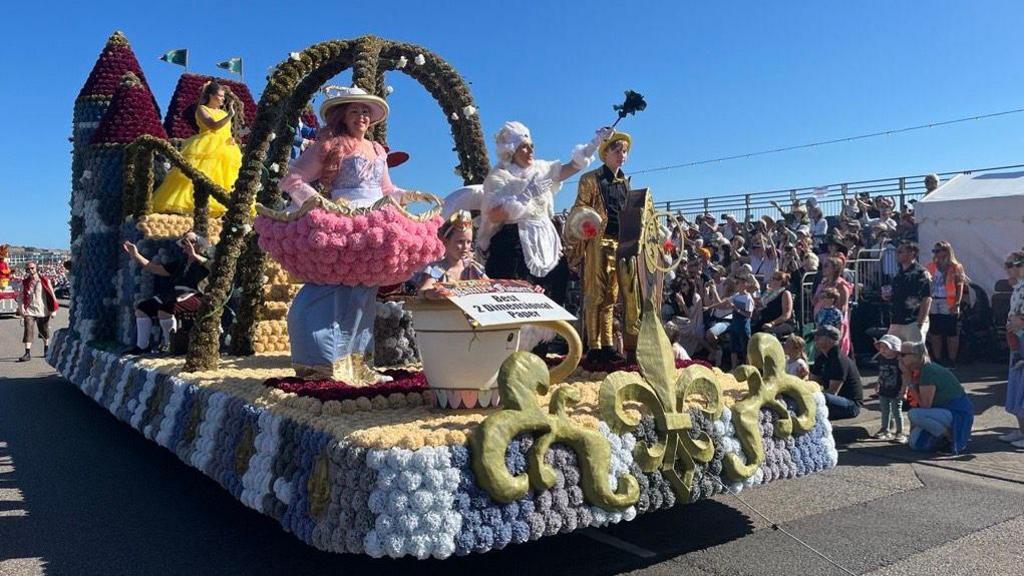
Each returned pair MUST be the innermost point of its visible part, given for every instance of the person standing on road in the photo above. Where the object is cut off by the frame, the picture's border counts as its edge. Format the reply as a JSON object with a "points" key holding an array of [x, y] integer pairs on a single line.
{"points": [[910, 295], [37, 304], [1015, 339], [949, 283]]}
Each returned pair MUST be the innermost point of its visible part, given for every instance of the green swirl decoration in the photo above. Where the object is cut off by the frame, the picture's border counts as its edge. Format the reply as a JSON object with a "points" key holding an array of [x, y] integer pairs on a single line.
{"points": [[521, 378], [766, 380], [663, 391]]}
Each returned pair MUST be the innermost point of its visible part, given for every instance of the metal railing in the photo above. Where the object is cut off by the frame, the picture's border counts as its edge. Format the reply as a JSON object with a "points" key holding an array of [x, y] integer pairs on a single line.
{"points": [[751, 206], [874, 268]]}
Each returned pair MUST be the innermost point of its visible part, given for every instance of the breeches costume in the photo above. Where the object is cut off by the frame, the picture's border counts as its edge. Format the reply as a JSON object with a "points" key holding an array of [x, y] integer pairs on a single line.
{"points": [[603, 279]]}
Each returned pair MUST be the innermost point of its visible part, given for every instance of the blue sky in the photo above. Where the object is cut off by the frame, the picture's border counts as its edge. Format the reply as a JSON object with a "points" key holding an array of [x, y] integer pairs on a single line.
{"points": [[718, 80]]}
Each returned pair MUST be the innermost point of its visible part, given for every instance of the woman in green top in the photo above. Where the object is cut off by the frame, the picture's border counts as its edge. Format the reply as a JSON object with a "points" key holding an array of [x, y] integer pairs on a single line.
{"points": [[944, 413]]}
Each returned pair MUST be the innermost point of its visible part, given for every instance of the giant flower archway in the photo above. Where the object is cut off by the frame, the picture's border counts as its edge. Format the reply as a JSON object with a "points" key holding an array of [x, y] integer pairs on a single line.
{"points": [[288, 91]]}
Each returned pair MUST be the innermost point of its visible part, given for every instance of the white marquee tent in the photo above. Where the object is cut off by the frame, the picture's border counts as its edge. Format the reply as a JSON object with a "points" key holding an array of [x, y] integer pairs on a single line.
{"points": [[981, 215]]}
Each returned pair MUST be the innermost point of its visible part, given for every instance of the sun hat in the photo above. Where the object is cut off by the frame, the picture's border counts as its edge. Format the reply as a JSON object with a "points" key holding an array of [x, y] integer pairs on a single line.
{"points": [[890, 341], [339, 95], [615, 137], [583, 223]]}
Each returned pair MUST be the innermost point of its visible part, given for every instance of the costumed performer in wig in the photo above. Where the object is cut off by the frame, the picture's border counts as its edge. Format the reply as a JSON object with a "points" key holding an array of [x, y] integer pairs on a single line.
{"points": [[517, 234], [213, 151], [330, 327], [592, 250]]}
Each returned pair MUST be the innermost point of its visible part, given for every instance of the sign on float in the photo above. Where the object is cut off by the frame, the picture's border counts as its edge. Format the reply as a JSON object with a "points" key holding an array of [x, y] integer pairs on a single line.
{"points": [[503, 302]]}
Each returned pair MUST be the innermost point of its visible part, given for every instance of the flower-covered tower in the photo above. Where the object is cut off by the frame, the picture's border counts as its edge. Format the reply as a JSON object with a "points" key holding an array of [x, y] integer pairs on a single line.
{"points": [[132, 112], [92, 102]]}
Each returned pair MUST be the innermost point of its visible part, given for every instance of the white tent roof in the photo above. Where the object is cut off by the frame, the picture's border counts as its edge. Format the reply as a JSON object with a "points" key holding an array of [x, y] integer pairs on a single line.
{"points": [[981, 215]]}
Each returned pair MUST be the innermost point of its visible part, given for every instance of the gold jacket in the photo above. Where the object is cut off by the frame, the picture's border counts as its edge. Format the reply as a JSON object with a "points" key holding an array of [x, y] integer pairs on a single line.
{"points": [[588, 194]]}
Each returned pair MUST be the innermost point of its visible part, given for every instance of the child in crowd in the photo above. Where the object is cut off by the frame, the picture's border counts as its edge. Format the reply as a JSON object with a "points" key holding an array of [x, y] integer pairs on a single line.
{"points": [[796, 357], [829, 315], [739, 327], [890, 391]]}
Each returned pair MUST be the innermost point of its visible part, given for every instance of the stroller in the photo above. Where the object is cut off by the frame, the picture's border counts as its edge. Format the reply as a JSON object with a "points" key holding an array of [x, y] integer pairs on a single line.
{"points": [[978, 340]]}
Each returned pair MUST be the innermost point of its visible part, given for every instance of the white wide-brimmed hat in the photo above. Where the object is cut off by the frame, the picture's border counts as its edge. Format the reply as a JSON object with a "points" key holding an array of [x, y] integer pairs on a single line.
{"points": [[582, 222], [338, 95]]}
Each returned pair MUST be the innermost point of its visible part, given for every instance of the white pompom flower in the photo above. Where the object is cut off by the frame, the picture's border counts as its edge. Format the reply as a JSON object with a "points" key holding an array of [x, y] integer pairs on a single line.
{"points": [[420, 60], [402, 62], [389, 89], [294, 56], [468, 111]]}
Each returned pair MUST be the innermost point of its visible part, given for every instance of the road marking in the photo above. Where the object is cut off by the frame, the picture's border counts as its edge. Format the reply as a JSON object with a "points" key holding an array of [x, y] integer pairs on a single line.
{"points": [[619, 543]]}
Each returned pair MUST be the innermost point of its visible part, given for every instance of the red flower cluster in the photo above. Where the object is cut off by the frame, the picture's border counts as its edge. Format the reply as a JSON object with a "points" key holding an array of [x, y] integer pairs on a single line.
{"points": [[589, 230], [404, 382], [131, 114], [180, 121], [310, 119], [116, 59]]}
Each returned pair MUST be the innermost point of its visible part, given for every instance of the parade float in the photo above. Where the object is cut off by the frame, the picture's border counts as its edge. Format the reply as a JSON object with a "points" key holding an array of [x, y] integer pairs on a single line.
{"points": [[8, 295], [395, 466]]}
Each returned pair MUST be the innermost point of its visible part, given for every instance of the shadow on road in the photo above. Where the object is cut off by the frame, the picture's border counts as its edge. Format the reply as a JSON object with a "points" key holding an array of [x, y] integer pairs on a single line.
{"points": [[100, 499]]}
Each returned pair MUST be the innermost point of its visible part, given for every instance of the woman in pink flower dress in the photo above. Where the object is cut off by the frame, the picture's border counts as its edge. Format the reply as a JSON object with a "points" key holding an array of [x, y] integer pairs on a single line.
{"points": [[330, 326]]}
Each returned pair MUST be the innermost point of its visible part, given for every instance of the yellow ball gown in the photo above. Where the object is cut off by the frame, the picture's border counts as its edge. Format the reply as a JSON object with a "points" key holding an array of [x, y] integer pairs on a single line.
{"points": [[214, 153]]}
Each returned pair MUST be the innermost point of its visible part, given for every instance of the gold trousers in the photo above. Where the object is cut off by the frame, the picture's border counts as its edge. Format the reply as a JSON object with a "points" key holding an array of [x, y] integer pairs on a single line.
{"points": [[603, 279]]}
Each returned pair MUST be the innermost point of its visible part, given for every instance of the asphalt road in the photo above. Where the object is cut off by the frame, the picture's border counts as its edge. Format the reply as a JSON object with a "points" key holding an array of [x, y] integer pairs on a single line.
{"points": [[82, 493]]}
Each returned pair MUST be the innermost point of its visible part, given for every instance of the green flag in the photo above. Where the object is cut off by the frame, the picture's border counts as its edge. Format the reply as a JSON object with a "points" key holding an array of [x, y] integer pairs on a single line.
{"points": [[233, 65], [179, 57]]}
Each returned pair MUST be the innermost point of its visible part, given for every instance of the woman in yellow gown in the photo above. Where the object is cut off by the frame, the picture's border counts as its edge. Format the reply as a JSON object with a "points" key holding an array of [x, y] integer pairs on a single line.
{"points": [[213, 151]]}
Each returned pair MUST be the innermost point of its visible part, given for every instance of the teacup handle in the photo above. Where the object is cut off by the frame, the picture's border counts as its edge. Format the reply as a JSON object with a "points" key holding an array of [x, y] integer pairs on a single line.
{"points": [[572, 359]]}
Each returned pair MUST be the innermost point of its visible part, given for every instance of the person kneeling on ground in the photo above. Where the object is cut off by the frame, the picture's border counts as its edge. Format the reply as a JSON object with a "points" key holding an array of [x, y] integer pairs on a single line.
{"points": [[837, 375], [944, 415], [177, 289]]}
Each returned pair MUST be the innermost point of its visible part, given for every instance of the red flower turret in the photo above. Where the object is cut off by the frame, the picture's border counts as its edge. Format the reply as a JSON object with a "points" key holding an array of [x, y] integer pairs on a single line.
{"points": [[131, 114], [180, 121], [116, 59]]}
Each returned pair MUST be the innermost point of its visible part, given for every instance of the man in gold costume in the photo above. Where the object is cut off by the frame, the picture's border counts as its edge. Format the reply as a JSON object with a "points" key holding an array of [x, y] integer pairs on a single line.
{"points": [[594, 242]]}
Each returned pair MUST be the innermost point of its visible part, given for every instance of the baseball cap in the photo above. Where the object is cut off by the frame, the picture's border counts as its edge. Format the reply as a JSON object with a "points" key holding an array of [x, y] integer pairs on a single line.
{"points": [[827, 332]]}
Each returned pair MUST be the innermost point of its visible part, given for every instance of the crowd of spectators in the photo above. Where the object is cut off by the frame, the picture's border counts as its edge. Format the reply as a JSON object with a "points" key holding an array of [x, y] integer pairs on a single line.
{"points": [[786, 275]]}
